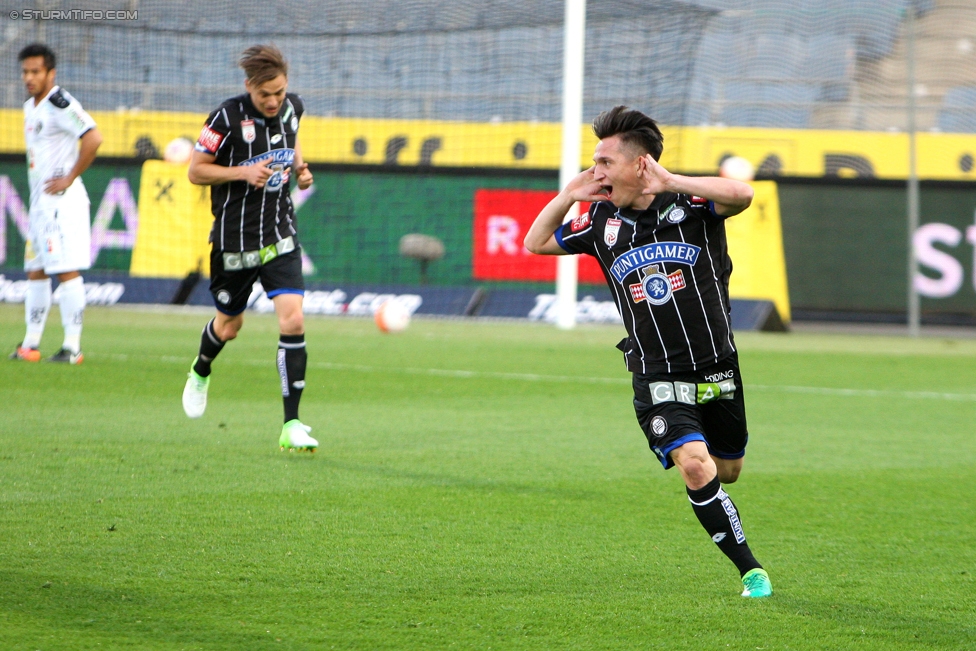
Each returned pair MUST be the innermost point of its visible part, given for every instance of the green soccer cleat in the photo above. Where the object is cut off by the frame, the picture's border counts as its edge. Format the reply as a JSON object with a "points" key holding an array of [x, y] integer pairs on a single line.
{"points": [[294, 436], [756, 584], [195, 393]]}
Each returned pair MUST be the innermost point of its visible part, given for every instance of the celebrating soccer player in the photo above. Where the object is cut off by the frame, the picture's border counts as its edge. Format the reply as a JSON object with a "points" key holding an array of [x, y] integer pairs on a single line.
{"points": [[247, 152], [59, 235], [660, 240]]}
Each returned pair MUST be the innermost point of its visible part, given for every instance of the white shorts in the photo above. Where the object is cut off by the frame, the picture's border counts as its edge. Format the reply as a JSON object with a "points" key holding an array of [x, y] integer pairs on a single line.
{"points": [[59, 237]]}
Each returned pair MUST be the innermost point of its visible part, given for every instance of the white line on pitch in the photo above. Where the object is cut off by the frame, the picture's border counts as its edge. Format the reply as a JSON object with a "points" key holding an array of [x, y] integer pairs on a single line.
{"points": [[865, 393], [582, 379]]}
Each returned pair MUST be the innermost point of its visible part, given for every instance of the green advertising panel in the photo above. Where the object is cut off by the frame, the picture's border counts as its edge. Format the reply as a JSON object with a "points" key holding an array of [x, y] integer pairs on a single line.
{"points": [[846, 246], [352, 224], [845, 241], [112, 190]]}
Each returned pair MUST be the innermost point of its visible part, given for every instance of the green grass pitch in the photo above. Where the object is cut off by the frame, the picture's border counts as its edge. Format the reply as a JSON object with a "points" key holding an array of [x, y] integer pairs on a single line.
{"points": [[478, 486]]}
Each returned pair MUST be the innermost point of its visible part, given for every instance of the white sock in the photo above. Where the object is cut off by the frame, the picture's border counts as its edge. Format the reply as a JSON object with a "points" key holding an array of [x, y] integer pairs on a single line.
{"points": [[37, 303], [72, 303]]}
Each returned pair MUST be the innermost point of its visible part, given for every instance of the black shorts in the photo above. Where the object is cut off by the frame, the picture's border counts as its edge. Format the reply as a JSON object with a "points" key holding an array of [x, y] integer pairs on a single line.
{"points": [[231, 290], [706, 405]]}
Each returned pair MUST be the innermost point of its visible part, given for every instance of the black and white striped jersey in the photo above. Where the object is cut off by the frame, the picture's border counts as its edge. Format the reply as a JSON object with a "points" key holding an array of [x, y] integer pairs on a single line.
{"points": [[247, 218], [668, 268]]}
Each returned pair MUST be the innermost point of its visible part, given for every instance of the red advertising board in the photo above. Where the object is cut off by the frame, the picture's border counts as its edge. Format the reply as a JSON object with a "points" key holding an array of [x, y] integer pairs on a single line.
{"points": [[501, 220]]}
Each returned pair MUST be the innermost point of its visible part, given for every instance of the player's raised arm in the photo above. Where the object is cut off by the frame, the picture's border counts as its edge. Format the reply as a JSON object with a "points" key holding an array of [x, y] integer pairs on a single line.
{"points": [[729, 196], [541, 238]]}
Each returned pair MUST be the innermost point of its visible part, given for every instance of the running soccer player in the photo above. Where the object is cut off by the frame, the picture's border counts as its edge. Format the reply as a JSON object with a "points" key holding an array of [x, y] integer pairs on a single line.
{"points": [[660, 240], [59, 232], [247, 152]]}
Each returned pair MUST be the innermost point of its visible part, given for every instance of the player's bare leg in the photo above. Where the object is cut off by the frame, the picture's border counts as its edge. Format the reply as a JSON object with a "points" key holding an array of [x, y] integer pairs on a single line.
{"points": [[728, 469], [291, 362], [717, 513]]}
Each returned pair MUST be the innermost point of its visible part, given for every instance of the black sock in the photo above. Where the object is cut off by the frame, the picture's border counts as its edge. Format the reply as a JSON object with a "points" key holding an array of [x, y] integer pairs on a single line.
{"points": [[291, 368], [210, 347], [718, 515]]}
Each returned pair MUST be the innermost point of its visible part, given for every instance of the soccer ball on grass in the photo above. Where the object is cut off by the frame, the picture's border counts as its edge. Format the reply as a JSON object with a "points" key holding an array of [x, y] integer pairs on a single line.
{"points": [[392, 316]]}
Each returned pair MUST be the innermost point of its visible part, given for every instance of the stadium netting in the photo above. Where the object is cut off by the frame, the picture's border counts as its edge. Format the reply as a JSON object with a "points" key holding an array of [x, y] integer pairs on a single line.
{"points": [[441, 118]]}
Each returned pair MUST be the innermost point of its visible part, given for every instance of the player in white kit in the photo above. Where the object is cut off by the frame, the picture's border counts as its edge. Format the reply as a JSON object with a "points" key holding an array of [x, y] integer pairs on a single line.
{"points": [[59, 237]]}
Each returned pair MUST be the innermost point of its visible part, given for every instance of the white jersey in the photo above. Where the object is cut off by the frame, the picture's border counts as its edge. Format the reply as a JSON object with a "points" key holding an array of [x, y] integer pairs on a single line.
{"points": [[51, 131]]}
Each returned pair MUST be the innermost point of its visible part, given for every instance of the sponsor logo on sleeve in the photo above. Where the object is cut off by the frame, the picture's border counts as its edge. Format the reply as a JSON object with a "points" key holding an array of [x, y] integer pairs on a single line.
{"points": [[610, 231], [294, 123], [60, 98], [580, 222], [247, 131], [210, 139], [76, 118]]}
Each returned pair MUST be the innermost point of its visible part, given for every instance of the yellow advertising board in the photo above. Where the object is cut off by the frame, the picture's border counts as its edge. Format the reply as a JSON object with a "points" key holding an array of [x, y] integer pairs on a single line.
{"points": [[755, 238], [536, 145], [174, 223]]}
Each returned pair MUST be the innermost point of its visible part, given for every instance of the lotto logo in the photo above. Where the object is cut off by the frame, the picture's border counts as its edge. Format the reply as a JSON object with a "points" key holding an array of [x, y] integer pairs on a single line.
{"points": [[210, 140]]}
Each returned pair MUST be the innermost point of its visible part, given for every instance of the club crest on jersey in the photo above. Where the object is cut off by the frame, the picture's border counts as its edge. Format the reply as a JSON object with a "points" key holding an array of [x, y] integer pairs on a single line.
{"points": [[610, 231], [247, 131], [673, 214], [659, 426], [657, 288], [676, 216], [580, 222], [280, 166]]}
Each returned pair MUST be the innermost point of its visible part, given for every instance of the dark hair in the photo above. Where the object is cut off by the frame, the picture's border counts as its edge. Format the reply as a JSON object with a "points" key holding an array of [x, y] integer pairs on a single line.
{"points": [[633, 127], [39, 50], [263, 63]]}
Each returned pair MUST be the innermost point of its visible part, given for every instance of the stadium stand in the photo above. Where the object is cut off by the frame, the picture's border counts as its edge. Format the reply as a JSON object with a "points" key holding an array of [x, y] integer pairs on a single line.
{"points": [[957, 114], [772, 63]]}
